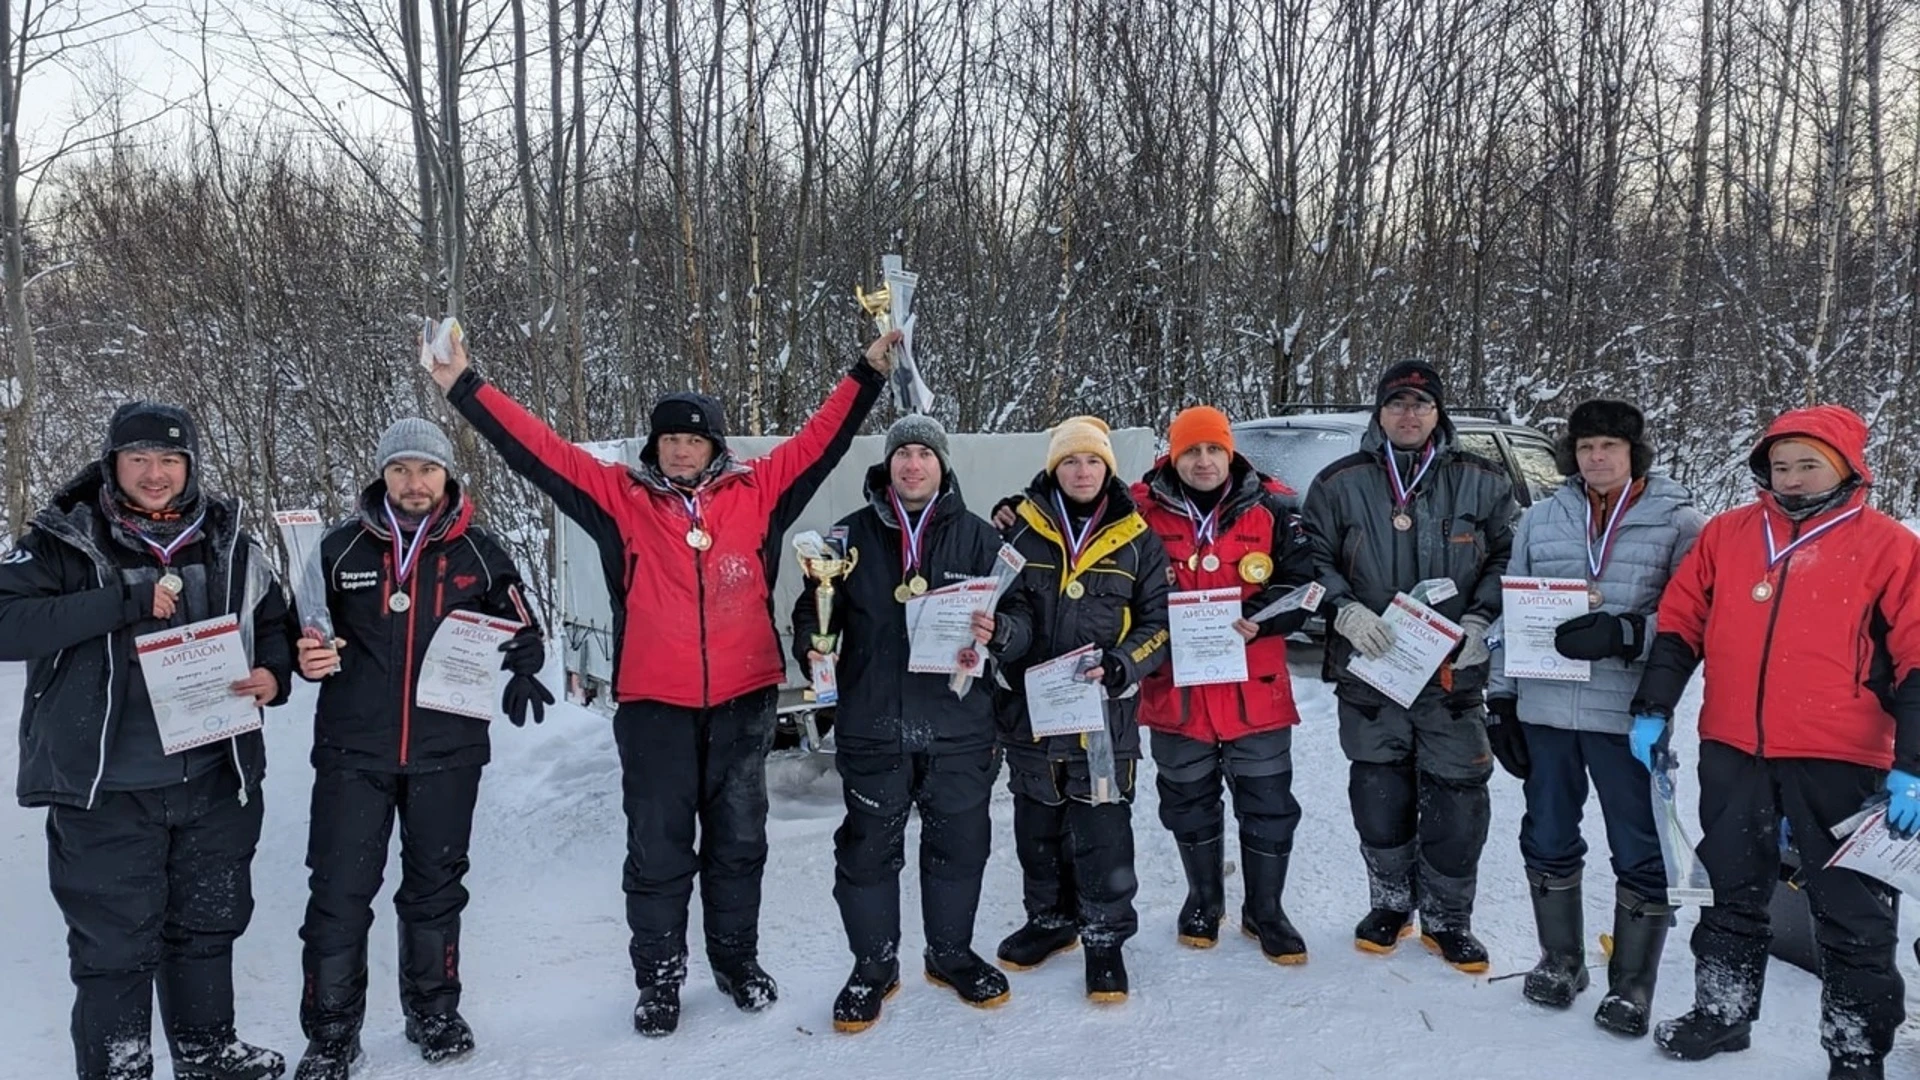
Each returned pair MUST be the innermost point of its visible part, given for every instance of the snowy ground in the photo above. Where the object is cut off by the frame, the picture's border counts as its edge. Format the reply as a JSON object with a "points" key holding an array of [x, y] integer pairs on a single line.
{"points": [[549, 991]]}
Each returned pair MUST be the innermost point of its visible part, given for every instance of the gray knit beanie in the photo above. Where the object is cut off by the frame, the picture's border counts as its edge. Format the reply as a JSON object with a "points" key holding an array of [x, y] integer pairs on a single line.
{"points": [[925, 431], [412, 438]]}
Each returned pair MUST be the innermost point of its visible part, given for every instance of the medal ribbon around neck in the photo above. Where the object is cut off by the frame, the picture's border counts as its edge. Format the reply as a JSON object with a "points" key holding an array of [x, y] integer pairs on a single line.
{"points": [[912, 533], [1206, 527], [1077, 541], [1597, 559], [164, 552], [403, 563], [1403, 490], [1775, 553]]}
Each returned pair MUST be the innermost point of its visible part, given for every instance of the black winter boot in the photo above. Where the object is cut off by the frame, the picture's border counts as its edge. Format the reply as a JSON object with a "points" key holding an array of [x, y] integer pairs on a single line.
{"points": [[1639, 935], [1262, 916], [857, 1007], [977, 982], [221, 1056], [1381, 930], [1459, 948], [747, 983], [1856, 1068], [1106, 975], [1699, 1034], [1205, 863], [657, 1013], [440, 1036], [333, 995], [1557, 916], [329, 1059], [1037, 942]]}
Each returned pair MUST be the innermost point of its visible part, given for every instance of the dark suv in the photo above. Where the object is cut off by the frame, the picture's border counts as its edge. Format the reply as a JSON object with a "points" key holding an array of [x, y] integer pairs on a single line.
{"points": [[1297, 444]]}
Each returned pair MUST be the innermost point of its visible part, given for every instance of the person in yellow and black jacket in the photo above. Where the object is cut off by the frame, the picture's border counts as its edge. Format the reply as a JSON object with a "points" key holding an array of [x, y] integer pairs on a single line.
{"points": [[1095, 575]]}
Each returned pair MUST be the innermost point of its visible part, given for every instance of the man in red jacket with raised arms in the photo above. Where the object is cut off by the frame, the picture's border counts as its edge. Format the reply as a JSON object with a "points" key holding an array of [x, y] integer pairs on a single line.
{"points": [[689, 542], [1805, 607]]}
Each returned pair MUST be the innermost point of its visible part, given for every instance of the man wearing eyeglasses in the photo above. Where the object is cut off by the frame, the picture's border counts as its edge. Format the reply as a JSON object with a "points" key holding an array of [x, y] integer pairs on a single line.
{"points": [[1410, 507]]}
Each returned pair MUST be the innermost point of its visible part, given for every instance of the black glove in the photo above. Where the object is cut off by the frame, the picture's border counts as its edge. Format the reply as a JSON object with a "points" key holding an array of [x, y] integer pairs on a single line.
{"points": [[525, 653], [1601, 635], [1113, 671], [523, 691], [1507, 738]]}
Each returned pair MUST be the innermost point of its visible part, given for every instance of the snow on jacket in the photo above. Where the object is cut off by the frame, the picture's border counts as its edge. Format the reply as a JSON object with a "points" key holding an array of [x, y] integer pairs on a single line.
{"points": [[1122, 577], [1821, 663], [692, 628], [883, 708], [1653, 535], [366, 717], [1462, 511], [72, 599], [1263, 553]]}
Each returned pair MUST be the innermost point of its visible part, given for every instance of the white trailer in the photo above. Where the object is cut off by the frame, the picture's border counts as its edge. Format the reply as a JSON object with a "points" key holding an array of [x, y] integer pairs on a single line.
{"points": [[989, 467]]}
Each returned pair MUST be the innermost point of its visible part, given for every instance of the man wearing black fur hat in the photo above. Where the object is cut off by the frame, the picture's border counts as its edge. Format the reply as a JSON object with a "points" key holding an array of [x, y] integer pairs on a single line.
{"points": [[149, 853], [1624, 532], [689, 543], [1409, 507]]}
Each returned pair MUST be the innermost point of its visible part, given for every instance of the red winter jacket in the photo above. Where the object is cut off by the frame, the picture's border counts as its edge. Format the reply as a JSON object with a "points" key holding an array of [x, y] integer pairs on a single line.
{"points": [[1255, 537], [1812, 665], [692, 628]]}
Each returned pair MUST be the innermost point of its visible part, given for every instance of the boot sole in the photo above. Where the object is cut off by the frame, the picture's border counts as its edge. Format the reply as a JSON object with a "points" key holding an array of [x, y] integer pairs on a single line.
{"points": [[993, 1002], [1471, 967], [1283, 959], [1194, 942], [1010, 965], [1107, 997], [855, 1027], [1378, 949], [1730, 1046], [436, 1058]]}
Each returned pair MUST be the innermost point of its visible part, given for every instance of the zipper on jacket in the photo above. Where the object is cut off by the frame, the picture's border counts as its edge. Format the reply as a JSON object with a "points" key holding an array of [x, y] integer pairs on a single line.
{"points": [[406, 677], [440, 589], [1766, 659], [700, 601], [1862, 649]]}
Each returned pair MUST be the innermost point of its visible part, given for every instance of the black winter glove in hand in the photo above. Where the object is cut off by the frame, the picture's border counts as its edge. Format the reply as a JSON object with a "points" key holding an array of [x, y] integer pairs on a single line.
{"points": [[1601, 635], [1113, 671], [525, 653], [1507, 738], [524, 691]]}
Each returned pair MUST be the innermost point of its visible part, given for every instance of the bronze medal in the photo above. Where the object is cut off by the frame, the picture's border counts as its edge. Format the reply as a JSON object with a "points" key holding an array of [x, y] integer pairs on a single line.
{"points": [[1402, 522], [1075, 590], [901, 593], [1595, 597], [1763, 592]]}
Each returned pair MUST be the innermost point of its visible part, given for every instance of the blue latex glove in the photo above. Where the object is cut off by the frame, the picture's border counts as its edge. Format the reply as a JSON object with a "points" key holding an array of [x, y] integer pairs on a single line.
{"points": [[1903, 804], [1649, 736]]}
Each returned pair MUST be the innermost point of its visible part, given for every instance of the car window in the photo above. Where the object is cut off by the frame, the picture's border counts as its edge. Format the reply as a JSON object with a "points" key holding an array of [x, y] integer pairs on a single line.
{"points": [[1294, 456], [1538, 466], [1482, 443]]}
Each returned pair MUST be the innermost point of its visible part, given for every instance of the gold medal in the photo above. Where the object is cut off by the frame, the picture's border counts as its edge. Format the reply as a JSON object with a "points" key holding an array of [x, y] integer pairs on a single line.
{"points": [[901, 593], [699, 539], [1210, 563], [1193, 561], [1595, 597], [1075, 590], [1402, 522], [1763, 592], [917, 584], [1256, 568]]}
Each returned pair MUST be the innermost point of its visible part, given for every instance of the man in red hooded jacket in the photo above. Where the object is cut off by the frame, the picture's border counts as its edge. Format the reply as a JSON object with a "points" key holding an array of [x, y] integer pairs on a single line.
{"points": [[1224, 528], [1805, 607], [688, 543]]}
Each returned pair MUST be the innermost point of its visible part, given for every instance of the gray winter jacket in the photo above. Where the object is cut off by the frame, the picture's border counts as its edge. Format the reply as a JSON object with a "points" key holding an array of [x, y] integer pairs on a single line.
{"points": [[1652, 537], [1462, 529]]}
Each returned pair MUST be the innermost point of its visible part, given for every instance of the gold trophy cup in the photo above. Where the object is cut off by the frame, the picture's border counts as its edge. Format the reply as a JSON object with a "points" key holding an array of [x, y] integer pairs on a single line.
{"points": [[824, 562]]}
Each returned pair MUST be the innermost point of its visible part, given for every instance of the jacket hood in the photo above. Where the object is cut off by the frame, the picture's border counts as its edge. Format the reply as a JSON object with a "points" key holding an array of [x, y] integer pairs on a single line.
{"points": [[1835, 425]]}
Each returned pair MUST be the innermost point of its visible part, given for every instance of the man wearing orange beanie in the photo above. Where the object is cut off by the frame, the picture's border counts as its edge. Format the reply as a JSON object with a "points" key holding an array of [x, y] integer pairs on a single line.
{"points": [[1224, 527]]}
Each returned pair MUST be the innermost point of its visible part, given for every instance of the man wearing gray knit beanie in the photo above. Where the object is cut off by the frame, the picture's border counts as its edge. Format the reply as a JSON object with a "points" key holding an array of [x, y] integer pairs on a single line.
{"points": [[396, 572]]}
